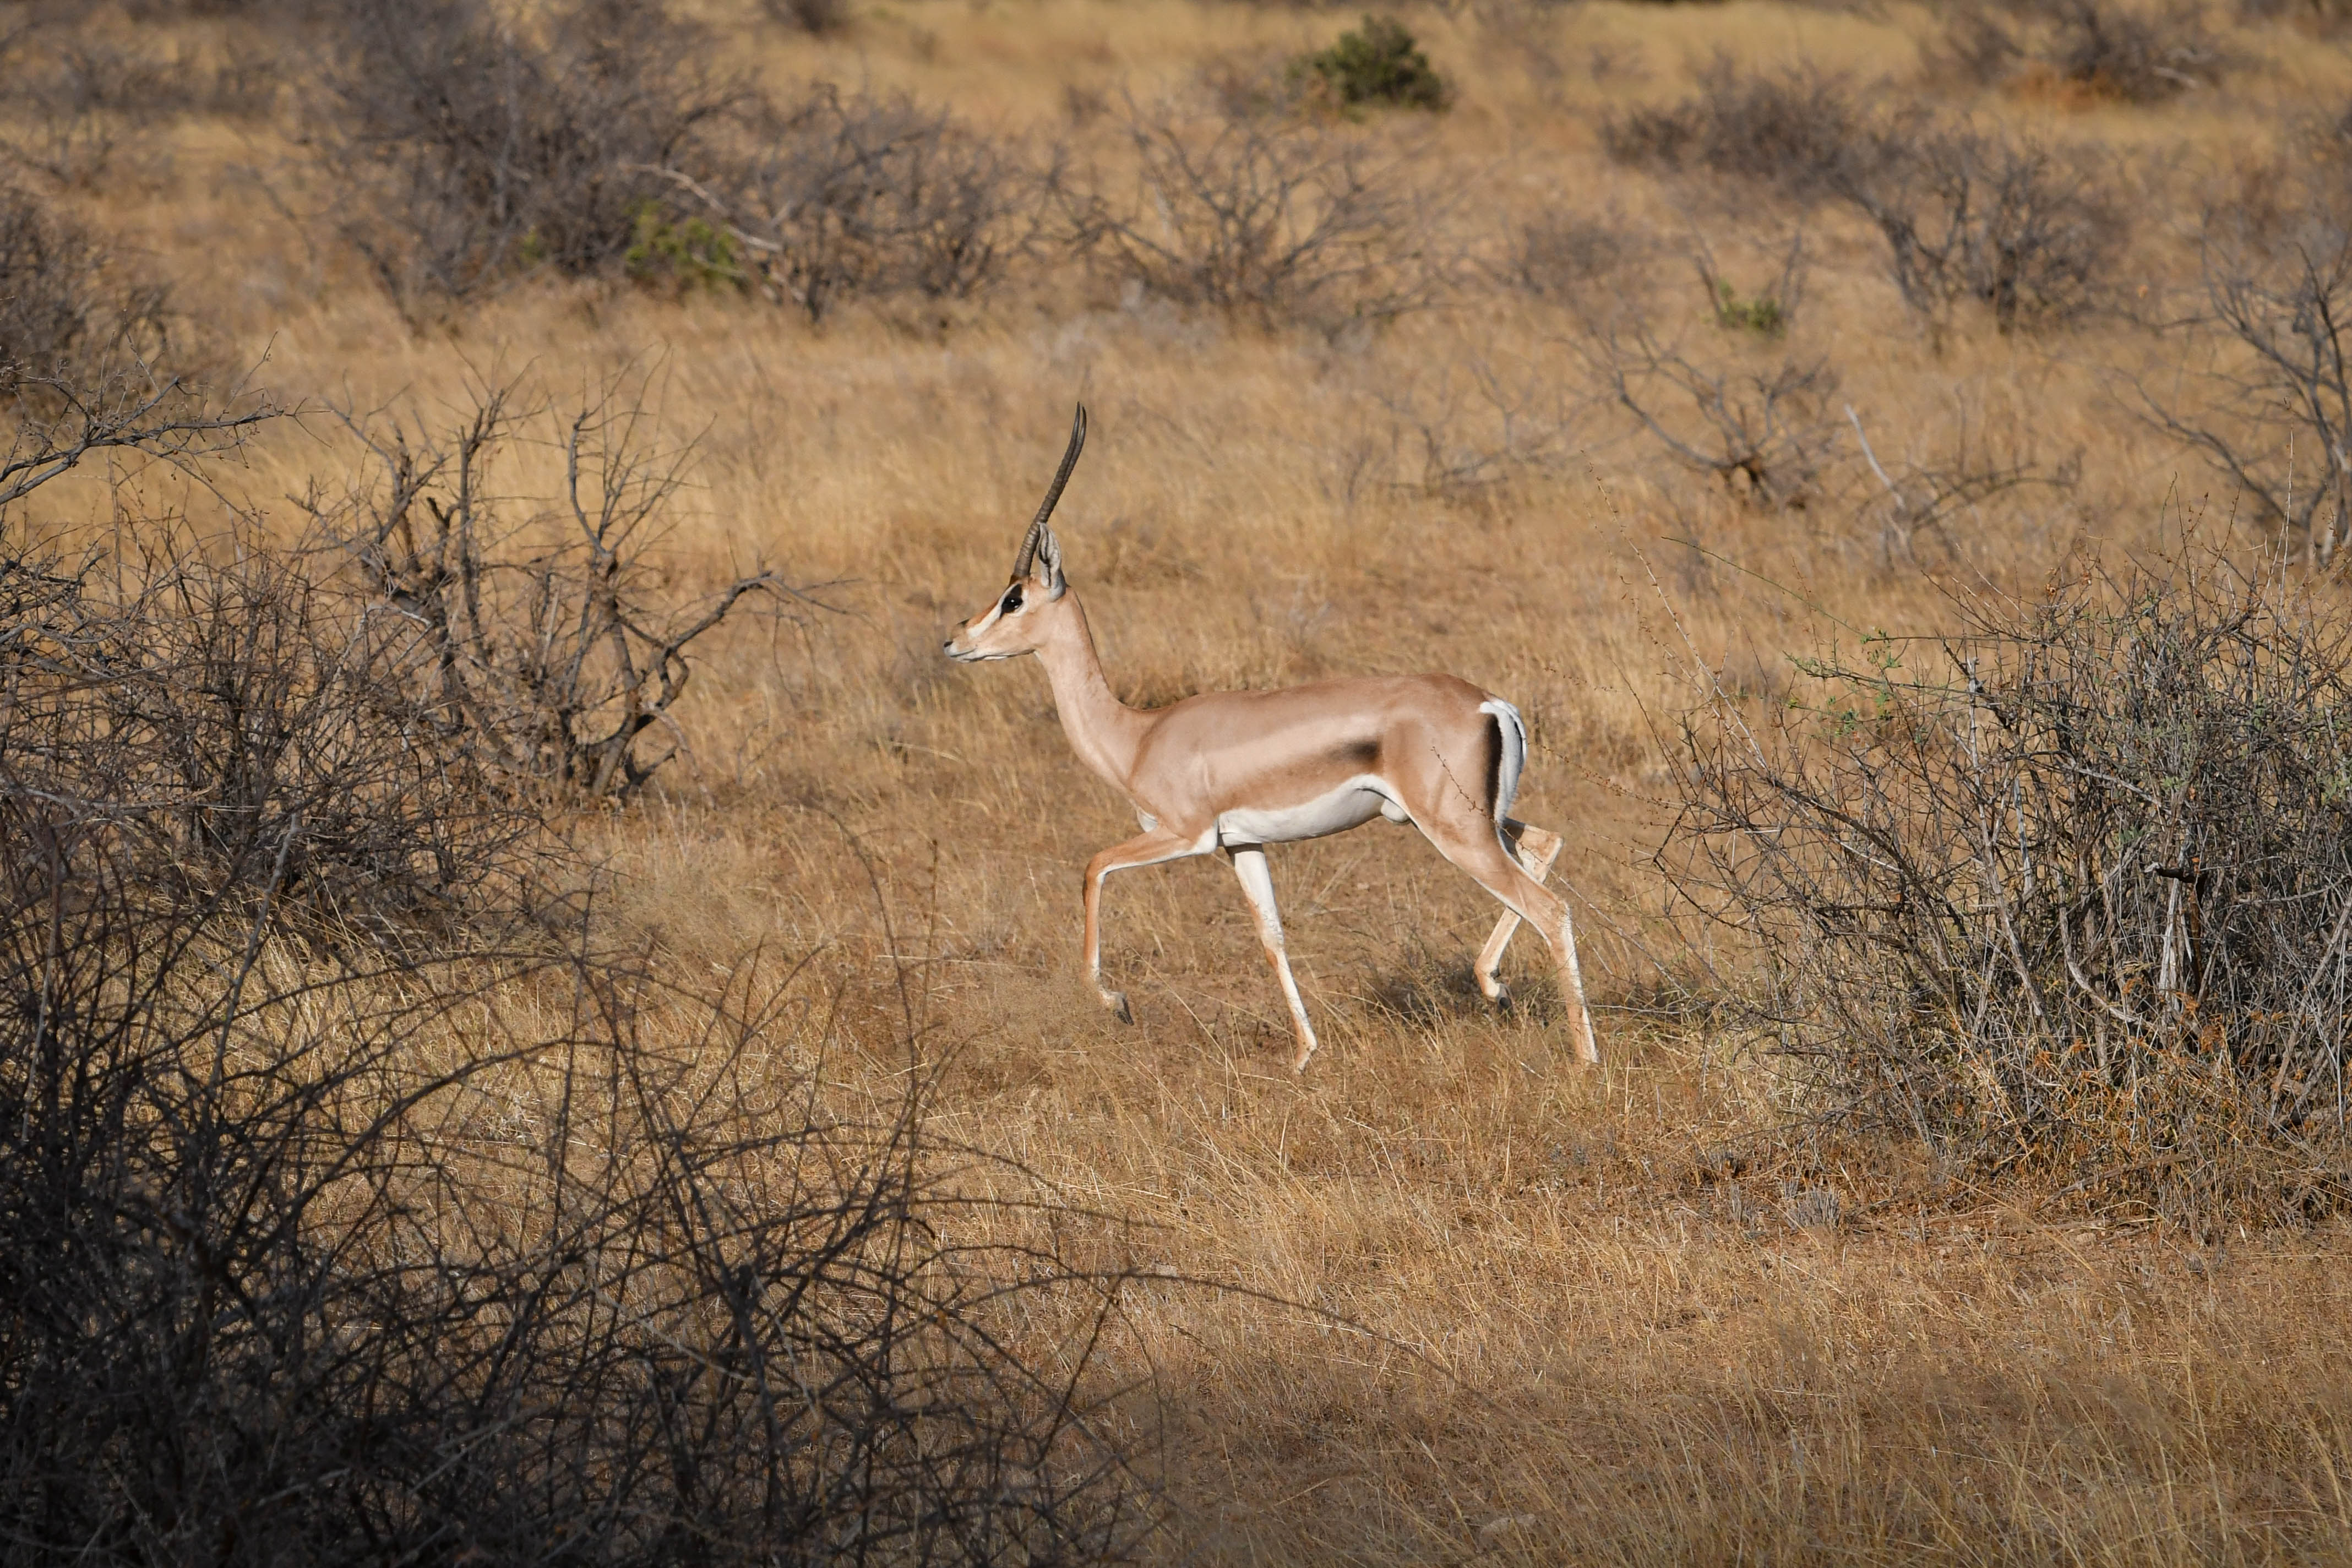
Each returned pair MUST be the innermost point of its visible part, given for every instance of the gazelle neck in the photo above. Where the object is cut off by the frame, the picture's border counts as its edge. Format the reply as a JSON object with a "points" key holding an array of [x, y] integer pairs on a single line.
{"points": [[1103, 731]]}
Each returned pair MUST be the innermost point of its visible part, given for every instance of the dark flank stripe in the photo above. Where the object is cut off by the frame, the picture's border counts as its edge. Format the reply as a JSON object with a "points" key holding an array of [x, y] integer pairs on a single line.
{"points": [[1494, 763]]}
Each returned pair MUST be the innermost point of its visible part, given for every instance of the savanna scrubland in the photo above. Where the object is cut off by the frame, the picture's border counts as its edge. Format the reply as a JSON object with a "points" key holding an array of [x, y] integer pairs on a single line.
{"points": [[547, 1019]]}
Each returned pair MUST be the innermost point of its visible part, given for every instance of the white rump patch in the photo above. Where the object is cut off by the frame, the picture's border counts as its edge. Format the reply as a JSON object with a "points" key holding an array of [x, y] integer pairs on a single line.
{"points": [[1513, 732]]}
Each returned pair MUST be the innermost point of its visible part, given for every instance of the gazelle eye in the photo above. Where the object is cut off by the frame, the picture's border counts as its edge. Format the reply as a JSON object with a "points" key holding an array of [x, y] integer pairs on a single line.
{"points": [[1011, 605]]}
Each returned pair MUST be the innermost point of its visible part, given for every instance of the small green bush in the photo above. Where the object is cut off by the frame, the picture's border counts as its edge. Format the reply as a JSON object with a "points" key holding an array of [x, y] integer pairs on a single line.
{"points": [[1379, 65], [1763, 315], [691, 255]]}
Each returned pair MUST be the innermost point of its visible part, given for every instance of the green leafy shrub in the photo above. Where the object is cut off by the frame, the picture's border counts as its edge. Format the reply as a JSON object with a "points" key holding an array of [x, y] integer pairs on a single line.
{"points": [[691, 255], [1762, 315], [1379, 64]]}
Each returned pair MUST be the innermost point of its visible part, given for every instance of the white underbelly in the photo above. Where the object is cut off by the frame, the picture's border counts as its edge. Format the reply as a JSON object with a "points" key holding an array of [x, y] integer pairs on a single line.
{"points": [[1350, 804]]}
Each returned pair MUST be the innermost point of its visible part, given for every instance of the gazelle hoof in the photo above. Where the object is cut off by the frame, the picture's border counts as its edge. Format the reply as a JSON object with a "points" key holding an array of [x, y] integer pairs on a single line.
{"points": [[1306, 1055], [1117, 1001]]}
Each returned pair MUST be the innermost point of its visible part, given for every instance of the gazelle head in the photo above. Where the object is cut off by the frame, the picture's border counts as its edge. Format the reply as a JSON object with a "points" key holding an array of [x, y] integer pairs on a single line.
{"points": [[1014, 623]]}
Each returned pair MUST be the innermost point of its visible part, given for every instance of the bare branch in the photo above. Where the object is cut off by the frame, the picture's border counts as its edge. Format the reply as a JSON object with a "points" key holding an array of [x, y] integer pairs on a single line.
{"points": [[136, 409], [550, 654], [1275, 217]]}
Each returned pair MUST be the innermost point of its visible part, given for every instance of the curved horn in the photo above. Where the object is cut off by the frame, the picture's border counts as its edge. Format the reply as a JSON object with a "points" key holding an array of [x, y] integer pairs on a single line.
{"points": [[1028, 554]]}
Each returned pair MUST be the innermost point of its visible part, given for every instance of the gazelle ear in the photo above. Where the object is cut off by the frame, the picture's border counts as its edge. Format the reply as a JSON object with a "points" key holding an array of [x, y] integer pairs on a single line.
{"points": [[1049, 561]]}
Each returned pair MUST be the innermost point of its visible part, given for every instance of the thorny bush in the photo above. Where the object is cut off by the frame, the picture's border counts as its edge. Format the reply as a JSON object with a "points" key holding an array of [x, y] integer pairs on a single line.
{"points": [[473, 149], [1763, 429], [310, 1252], [66, 308], [466, 147], [2141, 55], [220, 723], [1279, 219], [349, 1215], [2066, 896], [2027, 230], [552, 656], [69, 95], [845, 194], [1789, 131], [2262, 389], [2137, 53]]}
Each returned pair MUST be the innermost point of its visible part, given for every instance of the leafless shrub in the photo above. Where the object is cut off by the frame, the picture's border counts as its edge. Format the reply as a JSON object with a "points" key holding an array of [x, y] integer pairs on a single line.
{"points": [[1762, 428], [63, 419], [1476, 422], [552, 655], [221, 696], [1569, 256], [815, 18], [1789, 131], [2263, 393], [845, 194], [255, 728], [86, 363], [333, 1250], [1928, 488], [2324, 16], [344, 1218], [1280, 219], [2024, 229], [278, 1278], [69, 95], [1974, 46], [2139, 56], [69, 312], [248, 78], [2068, 898], [467, 148]]}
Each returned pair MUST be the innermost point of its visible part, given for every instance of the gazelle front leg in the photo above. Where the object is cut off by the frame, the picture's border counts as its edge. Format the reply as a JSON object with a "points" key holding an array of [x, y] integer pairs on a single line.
{"points": [[1535, 848], [1148, 848], [1257, 883]]}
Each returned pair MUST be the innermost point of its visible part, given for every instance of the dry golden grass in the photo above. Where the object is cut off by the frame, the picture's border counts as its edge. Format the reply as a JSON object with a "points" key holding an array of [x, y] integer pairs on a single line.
{"points": [[1521, 1324]]}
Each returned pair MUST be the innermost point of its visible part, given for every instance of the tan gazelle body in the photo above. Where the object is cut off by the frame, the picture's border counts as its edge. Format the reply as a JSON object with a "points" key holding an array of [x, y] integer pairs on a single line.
{"points": [[1236, 771]]}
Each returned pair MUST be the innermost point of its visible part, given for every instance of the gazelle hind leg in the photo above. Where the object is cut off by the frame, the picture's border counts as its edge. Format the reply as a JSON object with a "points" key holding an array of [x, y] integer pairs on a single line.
{"points": [[1257, 884], [1473, 845], [1535, 848]]}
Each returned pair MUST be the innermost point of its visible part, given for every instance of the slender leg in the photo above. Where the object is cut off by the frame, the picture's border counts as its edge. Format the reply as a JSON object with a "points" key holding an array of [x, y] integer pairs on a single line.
{"points": [[1257, 882], [1535, 848], [1470, 843], [1143, 849]]}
